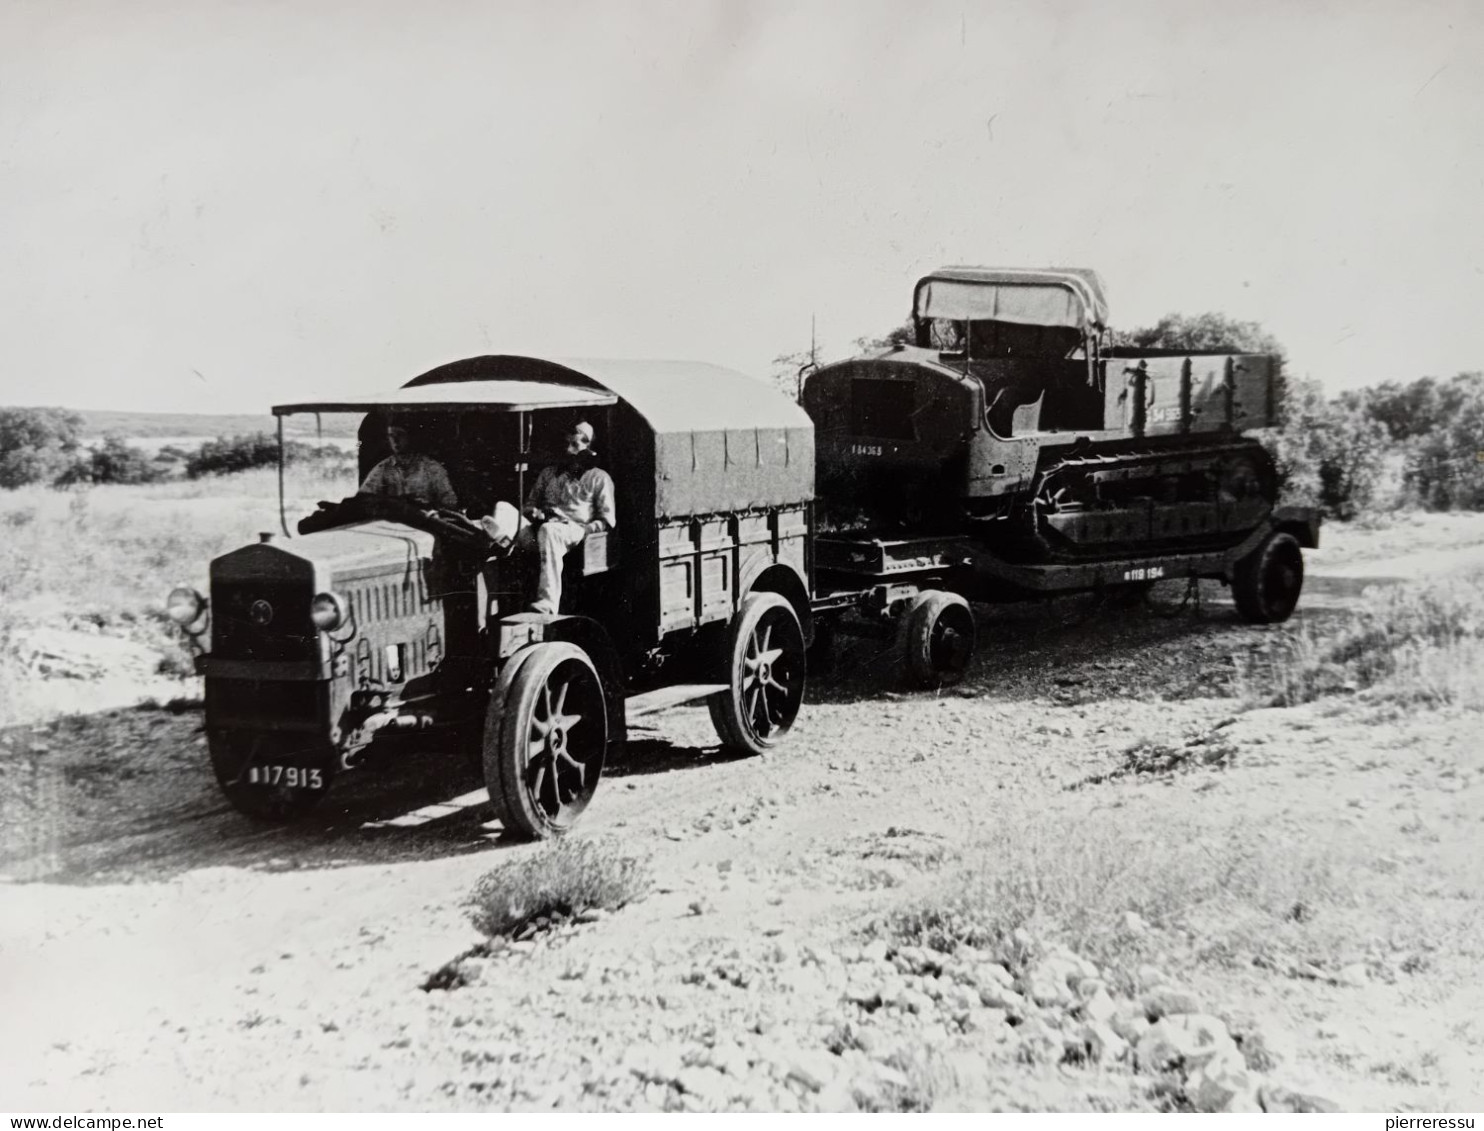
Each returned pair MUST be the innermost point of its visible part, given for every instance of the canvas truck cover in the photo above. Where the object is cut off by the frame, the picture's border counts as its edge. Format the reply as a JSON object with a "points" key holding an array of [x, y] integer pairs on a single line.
{"points": [[707, 439], [1053, 296]]}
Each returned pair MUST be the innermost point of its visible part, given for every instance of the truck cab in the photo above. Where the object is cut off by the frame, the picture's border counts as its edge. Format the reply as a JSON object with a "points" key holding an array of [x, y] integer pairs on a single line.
{"points": [[376, 616]]}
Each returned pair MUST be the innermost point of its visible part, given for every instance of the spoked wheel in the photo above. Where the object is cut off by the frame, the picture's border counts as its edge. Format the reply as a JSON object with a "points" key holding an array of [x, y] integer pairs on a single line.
{"points": [[765, 676], [1268, 581], [270, 775], [545, 740], [938, 639]]}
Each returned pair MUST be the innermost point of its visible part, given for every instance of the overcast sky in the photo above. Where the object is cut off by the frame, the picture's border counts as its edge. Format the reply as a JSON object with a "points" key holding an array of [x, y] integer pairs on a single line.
{"points": [[213, 205]]}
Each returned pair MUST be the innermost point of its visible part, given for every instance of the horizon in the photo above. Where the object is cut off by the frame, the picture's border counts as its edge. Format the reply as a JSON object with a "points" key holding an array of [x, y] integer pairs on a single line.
{"points": [[214, 207]]}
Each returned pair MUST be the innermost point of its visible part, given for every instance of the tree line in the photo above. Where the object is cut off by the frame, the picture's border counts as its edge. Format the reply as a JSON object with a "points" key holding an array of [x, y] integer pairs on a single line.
{"points": [[1334, 452], [45, 446]]}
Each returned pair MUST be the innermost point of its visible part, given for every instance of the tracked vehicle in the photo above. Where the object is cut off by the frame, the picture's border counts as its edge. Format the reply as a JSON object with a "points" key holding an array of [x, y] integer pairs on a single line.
{"points": [[1011, 451]]}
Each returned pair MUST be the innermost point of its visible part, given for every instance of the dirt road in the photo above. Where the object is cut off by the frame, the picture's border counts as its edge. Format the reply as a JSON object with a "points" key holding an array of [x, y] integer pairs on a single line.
{"points": [[161, 953]]}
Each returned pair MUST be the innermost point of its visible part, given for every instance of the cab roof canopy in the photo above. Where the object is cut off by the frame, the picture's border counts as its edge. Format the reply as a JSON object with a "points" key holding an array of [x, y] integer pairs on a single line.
{"points": [[488, 396], [721, 440], [672, 396], [1049, 296]]}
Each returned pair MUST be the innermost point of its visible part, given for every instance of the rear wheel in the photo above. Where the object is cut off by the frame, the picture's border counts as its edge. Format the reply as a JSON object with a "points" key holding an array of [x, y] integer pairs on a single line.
{"points": [[270, 775], [766, 673], [937, 639], [1268, 581], [545, 740]]}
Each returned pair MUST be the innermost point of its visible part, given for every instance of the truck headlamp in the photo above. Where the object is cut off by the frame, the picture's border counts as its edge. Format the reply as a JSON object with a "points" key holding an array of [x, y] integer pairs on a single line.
{"points": [[327, 612], [184, 605]]}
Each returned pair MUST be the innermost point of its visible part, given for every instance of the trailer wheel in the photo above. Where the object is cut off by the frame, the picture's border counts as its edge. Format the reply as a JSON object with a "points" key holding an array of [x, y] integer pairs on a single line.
{"points": [[269, 776], [1268, 581], [766, 672], [544, 744], [937, 639]]}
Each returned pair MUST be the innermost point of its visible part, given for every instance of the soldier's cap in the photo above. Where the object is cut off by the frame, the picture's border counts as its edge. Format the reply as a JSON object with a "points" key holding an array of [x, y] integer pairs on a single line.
{"points": [[584, 429]]}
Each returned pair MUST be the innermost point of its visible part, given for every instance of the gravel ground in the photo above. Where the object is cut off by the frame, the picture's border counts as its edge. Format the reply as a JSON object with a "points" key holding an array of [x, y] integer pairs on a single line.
{"points": [[162, 953]]}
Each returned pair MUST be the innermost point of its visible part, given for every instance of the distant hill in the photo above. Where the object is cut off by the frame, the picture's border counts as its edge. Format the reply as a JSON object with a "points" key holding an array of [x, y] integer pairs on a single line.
{"points": [[144, 425]]}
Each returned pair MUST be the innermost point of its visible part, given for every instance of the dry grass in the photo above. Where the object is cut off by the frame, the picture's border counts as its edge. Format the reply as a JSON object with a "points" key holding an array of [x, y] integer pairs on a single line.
{"points": [[1412, 644], [1223, 893], [556, 881], [105, 557], [1314, 894]]}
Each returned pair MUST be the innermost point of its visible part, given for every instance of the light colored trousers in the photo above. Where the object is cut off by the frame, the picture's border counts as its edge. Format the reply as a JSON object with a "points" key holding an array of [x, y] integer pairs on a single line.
{"points": [[550, 541]]}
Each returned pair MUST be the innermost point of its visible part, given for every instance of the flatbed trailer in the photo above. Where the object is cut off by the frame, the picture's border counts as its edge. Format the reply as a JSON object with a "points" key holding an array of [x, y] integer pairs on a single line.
{"points": [[918, 588]]}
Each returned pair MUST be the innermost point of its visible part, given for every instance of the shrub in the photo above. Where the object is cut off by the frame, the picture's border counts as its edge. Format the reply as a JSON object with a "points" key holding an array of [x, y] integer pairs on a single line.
{"points": [[1038, 880], [224, 456], [113, 461], [1418, 644], [36, 444], [1212, 332], [1329, 454], [563, 878], [1445, 466]]}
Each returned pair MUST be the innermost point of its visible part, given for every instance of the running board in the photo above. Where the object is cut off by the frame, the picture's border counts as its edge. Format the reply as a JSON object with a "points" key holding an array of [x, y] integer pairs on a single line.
{"points": [[664, 698]]}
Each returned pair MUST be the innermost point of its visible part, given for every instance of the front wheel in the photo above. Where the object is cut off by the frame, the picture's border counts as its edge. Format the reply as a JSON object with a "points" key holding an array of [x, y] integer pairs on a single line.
{"points": [[1268, 581], [270, 776], [545, 740], [766, 672]]}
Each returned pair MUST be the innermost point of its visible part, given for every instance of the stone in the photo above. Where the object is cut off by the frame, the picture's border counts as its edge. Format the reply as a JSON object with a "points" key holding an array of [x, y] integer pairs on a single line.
{"points": [[1099, 1007], [1102, 1044], [1047, 991], [995, 974], [1151, 976], [1037, 1044], [914, 1001], [997, 998], [1134, 923], [1354, 974], [959, 998], [1130, 1024], [1187, 1041], [1050, 981], [1222, 1084], [1167, 1001], [811, 1069], [707, 1084], [935, 961], [1284, 1100], [874, 951], [1089, 987]]}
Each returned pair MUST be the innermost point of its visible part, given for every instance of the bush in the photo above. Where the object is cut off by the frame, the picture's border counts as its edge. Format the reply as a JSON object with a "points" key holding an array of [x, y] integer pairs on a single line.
{"points": [[113, 461], [1211, 332], [559, 879], [1036, 881], [1445, 466], [1413, 643], [36, 444], [224, 456], [1329, 453]]}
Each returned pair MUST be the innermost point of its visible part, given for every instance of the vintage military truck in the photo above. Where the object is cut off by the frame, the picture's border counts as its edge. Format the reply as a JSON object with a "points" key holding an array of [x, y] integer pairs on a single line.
{"points": [[380, 616], [1011, 451]]}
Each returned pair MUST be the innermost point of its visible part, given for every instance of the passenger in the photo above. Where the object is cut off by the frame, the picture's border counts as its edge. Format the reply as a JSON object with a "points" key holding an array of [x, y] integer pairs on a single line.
{"points": [[568, 502], [406, 474]]}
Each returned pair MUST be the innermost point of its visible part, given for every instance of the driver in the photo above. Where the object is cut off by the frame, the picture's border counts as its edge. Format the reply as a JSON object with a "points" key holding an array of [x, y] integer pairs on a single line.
{"points": [[410, 475]]}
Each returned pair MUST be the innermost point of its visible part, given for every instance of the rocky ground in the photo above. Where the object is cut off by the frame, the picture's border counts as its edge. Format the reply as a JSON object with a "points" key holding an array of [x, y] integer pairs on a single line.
{"points": [[1173, 902]]}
